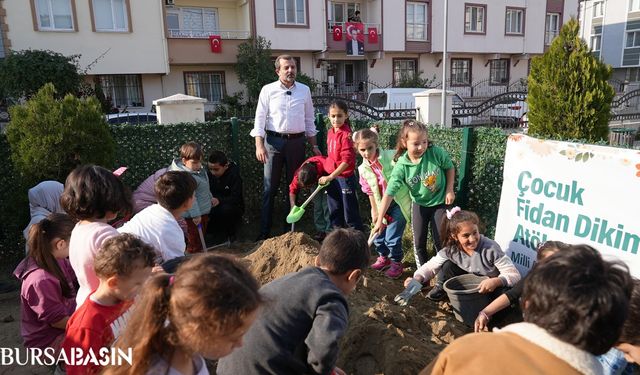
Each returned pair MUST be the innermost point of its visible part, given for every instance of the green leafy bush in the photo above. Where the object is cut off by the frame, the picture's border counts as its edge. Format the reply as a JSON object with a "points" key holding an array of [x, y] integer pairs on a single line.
{"points": [[23, 73], [50, 137]]}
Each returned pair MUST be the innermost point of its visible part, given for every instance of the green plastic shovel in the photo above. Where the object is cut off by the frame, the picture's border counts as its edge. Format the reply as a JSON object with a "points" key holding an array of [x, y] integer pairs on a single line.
{"points": [[297, 212]]}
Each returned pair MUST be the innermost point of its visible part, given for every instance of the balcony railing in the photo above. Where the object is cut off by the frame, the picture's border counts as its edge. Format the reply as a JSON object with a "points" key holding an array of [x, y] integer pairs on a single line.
{"points": [[204, 34], [331, 24]]}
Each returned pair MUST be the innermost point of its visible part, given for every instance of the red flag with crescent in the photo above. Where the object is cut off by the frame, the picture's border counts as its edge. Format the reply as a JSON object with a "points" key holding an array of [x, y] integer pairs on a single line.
{"points": [[373, 35], [337, 32], [216, 43]]}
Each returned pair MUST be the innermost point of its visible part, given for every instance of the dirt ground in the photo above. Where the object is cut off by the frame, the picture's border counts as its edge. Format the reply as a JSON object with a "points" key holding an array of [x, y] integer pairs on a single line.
{"points": [[383, 338]]}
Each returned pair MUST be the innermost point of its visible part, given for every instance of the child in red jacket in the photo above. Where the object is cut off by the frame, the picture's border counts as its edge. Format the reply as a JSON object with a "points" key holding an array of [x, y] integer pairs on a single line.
{"points": [[306, 177], [341, 163]]}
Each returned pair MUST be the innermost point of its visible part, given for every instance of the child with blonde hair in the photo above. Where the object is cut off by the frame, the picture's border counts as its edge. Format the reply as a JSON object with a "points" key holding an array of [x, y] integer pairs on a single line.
{"points": [[197, 216], [428, 172], [375, 172], [465, 251], [201, 312], [48, 293], [94, 196]]}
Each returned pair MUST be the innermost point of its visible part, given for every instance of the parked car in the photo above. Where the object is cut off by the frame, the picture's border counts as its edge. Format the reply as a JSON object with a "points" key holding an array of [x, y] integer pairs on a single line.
{"points": [[458, 102], [393, 98], [510, 112], [135, 118]]}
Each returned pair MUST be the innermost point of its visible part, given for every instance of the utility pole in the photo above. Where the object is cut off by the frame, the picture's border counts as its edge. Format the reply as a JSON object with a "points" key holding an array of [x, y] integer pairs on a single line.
{"points": [[444, 66]]}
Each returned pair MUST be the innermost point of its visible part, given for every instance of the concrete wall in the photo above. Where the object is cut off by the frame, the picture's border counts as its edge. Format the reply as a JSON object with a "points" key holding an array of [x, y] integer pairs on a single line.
{"points": [[305, 38], [143, 50]]}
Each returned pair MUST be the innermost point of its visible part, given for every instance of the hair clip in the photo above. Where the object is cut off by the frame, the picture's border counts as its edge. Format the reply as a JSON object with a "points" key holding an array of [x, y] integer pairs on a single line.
{"points": [[373, 129], [452, 212]]}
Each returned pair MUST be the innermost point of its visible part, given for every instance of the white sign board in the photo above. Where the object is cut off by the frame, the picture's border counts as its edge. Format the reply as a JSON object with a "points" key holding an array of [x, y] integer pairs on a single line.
{"points": [[570, 192]]}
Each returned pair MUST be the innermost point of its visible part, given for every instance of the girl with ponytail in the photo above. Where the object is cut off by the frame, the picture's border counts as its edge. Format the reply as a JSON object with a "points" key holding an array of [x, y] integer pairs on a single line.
{"points": [[47, 296], [201, 312]]}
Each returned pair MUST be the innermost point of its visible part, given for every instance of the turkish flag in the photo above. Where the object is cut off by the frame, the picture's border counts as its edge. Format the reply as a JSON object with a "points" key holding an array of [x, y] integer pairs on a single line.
{"points": [[216, 43], [337, 32], [373, 35]]}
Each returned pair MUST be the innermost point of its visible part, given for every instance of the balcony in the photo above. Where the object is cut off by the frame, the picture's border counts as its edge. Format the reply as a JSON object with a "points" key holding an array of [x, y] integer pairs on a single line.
{"points": [[190, 26], [201, 34], [339, 45]]}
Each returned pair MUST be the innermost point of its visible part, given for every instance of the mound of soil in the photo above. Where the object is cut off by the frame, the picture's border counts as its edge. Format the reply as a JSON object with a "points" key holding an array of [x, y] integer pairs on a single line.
{"points": [[383, 338], [278, 256]]}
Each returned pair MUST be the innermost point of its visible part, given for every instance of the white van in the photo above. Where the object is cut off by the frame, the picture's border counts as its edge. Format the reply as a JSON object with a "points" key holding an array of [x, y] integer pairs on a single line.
{"points": [[393, 98]]}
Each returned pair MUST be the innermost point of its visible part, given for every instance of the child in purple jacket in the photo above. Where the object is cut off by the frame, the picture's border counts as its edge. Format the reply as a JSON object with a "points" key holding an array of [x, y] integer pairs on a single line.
{"points": [[49, 286]]}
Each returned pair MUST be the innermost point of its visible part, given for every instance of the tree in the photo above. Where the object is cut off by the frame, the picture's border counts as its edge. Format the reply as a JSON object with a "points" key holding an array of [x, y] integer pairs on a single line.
{"points": [[415, 80], [49, 137], [254, 66], [23, 73], [569, 97], [303, 78]]}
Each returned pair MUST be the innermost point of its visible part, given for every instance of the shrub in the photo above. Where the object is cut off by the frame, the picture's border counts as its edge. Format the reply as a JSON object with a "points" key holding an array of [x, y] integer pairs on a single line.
{"points": [[569, 96], [49, 137], [23, 73]]}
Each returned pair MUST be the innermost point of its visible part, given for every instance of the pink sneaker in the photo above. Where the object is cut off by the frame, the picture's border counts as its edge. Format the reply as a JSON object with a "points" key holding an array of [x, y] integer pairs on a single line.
{"points": [[395, 270], [381, 263]]}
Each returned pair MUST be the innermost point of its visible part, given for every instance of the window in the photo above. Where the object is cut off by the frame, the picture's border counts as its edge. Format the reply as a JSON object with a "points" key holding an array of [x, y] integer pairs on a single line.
{"points": [[633, 39], [499, 72], [595, 43], [598, 9], [634, 5], [417, 21], [514, 21], [54, 15], [460, 72], [633, 75], [208, 85], [124, 90], [110, 15], [342, 11], [404, 69], [291, 12], [192, 22], [552, 28], [474, 18]]}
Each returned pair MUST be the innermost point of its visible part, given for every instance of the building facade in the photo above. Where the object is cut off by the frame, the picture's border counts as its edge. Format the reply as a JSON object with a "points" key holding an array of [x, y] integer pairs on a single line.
{"points": [[612, 30], [144, 50]]}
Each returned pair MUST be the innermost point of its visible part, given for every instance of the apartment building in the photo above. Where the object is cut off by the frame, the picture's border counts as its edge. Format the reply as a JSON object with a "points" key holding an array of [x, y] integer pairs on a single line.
{"points": [[612, 30], [143, 50], [4, 41], [121, 43]]}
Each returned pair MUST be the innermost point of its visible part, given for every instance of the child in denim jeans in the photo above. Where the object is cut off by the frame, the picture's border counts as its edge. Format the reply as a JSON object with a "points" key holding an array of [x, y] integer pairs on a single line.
{"points": [[375, 172]]}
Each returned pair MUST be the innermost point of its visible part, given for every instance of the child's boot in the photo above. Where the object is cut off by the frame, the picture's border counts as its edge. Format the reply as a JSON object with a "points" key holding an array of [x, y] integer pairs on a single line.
{"points": [[437, 294], [381, 263], [395, 270]]}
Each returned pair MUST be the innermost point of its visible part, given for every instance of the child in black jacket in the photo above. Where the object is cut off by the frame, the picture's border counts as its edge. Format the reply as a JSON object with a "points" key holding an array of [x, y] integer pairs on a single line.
{"points": [[225, 184]]}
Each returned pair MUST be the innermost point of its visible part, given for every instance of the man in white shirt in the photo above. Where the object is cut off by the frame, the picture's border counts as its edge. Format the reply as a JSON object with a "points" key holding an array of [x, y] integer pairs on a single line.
{"points": [[284, 118]]}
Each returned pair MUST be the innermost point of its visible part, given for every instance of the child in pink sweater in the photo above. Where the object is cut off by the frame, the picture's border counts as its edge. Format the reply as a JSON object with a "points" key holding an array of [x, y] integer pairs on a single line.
{"points": [[93, 196]]}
